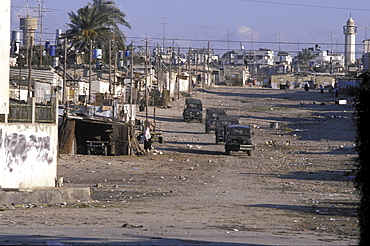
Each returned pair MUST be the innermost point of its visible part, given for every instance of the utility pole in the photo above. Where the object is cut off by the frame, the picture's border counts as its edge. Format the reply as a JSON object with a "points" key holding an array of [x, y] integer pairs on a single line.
{"points": [[115, 68], [90, 69], [204, 69], [208, 69], [146, 81], [132, 78], [64, 72], [30, 68], [189, 64], [170, 73], [41, 7], [178, 74], [164, 25], [196, 68], [158, 61], [110, 67]]}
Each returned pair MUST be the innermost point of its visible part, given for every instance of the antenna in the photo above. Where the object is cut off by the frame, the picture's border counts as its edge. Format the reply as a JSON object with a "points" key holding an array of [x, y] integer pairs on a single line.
{"points": [[164, 26], [228, 39]]}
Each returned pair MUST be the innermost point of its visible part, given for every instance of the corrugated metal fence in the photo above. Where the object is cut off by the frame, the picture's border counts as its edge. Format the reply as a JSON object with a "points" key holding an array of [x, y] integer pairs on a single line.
{"points": [[23, 113]]}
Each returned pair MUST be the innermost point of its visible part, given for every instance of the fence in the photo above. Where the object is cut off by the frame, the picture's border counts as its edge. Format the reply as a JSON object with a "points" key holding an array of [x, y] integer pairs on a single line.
{"points": [[24, 113]]}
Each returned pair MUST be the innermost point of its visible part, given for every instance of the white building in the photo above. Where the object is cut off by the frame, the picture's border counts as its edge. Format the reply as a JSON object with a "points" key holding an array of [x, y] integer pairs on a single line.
{"points": [[261, 57], [325, 58], [28, 150]]}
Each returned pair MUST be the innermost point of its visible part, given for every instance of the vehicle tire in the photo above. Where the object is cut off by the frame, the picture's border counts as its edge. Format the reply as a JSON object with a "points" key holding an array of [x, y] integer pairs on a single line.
{"points": [[217, 141], [227, 151], [207, 130], [160, 140], [249, 152]]}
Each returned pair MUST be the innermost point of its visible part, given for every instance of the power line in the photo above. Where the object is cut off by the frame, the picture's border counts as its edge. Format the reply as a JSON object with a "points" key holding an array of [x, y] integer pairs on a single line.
{"points": [[246, 41], [307, 5]]}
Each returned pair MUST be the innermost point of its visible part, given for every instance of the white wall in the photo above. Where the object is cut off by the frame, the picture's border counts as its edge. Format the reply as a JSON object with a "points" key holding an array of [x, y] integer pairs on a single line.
{"points": [[4, 55], [28, 155]]}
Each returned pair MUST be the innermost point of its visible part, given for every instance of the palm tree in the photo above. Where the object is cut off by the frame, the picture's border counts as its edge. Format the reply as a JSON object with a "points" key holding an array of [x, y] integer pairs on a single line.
{"points": [[304, 57], [116, 17], [98, 21]]}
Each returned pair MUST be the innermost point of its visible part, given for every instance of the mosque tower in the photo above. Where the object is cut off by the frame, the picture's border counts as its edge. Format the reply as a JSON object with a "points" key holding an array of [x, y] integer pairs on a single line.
{"points": [[350, 31]]}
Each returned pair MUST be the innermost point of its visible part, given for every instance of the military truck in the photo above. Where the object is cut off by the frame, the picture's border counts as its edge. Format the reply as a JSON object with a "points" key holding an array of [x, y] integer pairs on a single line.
{"points": [[221, 122], [193, 110], [212, 115], [238, 138]]}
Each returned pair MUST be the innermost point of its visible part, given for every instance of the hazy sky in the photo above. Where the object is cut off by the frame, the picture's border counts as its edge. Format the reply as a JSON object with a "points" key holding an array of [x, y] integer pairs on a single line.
{"points": [[225, 23]]}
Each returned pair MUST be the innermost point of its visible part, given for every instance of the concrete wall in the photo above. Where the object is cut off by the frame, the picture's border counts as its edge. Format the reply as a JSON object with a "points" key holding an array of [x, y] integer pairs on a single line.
{"points": [[28, 155], [293, 80], [4, 55]]}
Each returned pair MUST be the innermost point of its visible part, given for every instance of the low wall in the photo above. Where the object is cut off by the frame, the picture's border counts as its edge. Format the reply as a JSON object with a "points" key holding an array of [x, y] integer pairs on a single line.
{"points": [[28, 155]]}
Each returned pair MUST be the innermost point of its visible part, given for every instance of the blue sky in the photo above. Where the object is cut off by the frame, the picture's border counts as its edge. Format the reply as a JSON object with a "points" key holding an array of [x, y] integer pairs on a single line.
{"points": [[227, 24]]}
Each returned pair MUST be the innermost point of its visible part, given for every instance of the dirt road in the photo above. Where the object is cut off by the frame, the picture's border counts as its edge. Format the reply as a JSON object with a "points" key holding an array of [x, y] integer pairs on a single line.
{"points": [[295, 189]]}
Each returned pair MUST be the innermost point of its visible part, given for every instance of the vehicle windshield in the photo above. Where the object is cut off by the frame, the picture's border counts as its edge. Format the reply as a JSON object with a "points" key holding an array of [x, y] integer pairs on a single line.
{"points": [[193, 105], [239, 131]]}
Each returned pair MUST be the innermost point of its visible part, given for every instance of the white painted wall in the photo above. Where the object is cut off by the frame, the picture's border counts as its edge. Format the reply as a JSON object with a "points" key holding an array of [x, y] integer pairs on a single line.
{"points": [[4, 55], [28, 155]]}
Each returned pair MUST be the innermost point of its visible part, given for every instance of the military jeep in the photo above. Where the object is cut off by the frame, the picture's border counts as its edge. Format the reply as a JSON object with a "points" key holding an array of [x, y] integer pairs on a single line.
{"points": [[238, 138], [193, 110], [212, 115], [221, 122]]}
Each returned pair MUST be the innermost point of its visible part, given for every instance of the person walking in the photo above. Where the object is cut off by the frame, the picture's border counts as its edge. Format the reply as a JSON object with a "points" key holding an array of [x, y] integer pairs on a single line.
{"points": [[147, 139], [306, 87], [321, 89]]}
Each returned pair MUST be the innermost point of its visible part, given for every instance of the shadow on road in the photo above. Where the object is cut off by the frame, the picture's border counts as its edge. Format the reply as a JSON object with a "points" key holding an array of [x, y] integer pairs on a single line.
{"points": [[314, 210], [132, 240]]}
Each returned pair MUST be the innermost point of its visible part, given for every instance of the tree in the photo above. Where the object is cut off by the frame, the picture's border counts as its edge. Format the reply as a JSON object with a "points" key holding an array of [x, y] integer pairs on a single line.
{"points": [[98, 21], [304, 57], [362, 181]]}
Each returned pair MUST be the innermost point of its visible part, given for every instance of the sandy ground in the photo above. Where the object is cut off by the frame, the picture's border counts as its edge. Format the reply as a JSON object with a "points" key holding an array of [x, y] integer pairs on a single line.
{"points": [[295, 189]]}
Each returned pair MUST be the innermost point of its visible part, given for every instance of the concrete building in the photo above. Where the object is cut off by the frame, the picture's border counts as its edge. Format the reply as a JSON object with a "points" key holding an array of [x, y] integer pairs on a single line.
{"points": [[366, 56], [28, 149], [350, 31], [259, 57]]}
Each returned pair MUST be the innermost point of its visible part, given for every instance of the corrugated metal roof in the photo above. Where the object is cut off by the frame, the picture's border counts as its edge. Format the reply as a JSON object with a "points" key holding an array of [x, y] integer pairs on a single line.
{"points": [[41, 75]]}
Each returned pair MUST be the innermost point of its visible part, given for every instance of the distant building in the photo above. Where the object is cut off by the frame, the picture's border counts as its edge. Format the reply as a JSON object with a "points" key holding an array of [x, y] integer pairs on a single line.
{"points": [[261, 57], [254, 60], [322, 61], [366, 55], [283, 62]]}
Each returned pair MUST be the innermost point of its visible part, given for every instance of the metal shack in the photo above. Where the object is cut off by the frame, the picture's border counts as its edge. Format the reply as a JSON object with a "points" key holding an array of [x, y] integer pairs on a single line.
{"points": [[83, 135]]}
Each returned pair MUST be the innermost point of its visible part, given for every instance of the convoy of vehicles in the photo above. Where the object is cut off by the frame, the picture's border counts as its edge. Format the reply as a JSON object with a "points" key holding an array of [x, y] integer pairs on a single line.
{"points": [[227, 128]]}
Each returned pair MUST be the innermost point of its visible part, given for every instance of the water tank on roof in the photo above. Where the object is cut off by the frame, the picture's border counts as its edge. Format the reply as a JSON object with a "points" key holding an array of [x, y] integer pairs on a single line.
{"points": [[58, 35], [97, 54], [16, 36], [28, 25], [52, 50], [120, 63], [47, 45], [120, 54], [15, 42]]}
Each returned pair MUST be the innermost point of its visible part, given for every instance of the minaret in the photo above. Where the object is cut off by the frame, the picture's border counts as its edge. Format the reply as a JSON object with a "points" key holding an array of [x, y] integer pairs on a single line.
{"points": [[350, 30]]}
